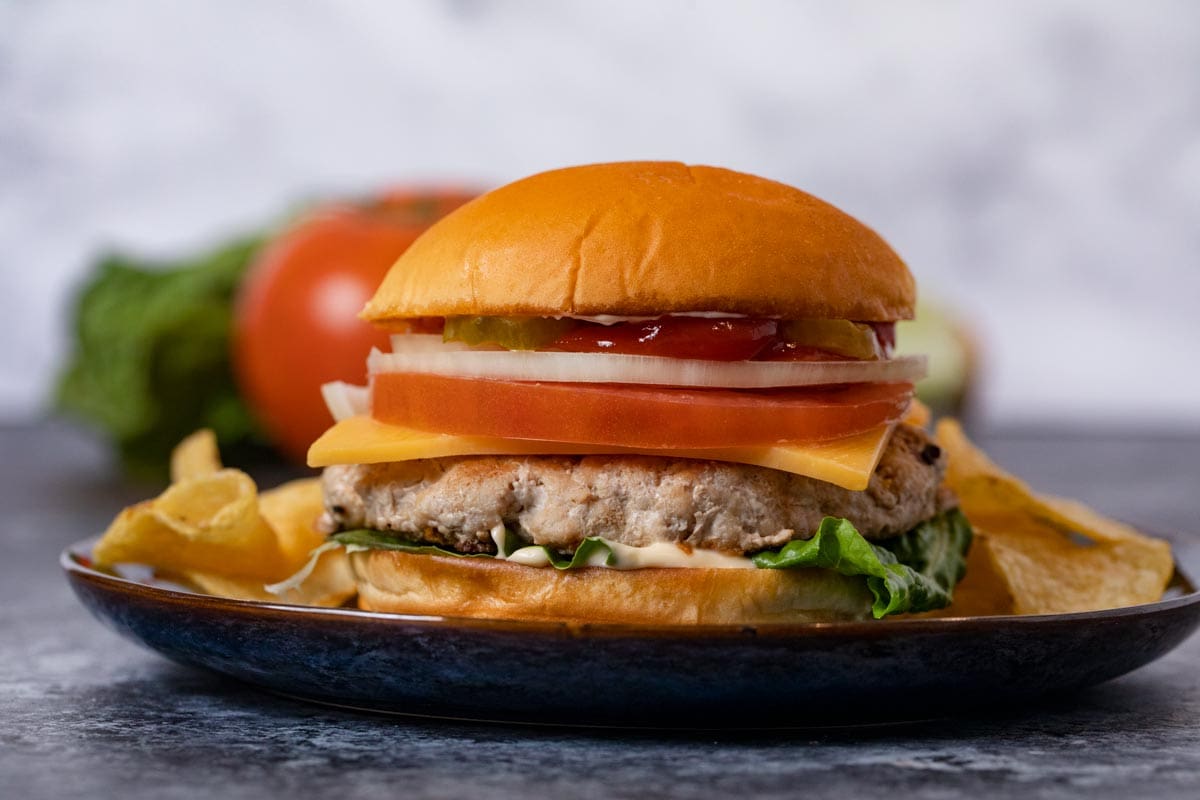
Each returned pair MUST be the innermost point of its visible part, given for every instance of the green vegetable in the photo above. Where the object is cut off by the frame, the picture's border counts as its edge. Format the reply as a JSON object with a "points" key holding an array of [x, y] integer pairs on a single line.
{"points": [[513, 333], [911, 573], [151, 357], [914, 572], [377, 540], [853, 339]]}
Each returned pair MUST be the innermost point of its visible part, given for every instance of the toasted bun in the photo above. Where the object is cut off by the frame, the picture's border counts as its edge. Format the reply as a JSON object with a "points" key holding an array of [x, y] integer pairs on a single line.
{"points": [[647, 238], [408, 583]]}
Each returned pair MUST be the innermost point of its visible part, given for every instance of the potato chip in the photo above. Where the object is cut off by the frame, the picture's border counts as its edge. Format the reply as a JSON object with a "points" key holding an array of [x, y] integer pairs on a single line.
{"points": [[985, 590], [330, 584], [215, 531], [918, 414], [292, 510], [1044, 554], [210, 523], [195, 456]]}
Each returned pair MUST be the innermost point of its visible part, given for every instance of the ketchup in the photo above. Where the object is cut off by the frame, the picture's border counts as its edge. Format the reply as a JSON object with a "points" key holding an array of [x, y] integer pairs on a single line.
{"points": [[734, 339], [722, 339]]}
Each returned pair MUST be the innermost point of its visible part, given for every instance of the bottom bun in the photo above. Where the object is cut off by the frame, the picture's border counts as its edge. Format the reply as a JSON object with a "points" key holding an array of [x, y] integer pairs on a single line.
{"points": [[409, 583]]}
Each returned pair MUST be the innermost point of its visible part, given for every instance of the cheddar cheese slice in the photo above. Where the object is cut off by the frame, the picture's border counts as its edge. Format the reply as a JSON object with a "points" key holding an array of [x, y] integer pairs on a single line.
{"points": [[361, 439]]}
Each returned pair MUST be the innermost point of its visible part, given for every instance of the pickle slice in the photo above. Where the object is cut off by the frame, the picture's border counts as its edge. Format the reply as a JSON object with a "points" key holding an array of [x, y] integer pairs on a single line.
{"points": [[853, 339], [512, 333]]}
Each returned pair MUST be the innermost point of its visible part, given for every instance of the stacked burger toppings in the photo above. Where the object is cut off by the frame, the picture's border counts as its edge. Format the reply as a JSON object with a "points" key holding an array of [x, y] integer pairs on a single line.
{"points": [[642, 392]]}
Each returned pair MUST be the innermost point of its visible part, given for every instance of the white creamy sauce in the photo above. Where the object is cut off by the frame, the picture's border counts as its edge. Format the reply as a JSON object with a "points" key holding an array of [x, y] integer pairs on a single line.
{"points": [[669, 554], [659, 554], [499, 533], [529, 557]]}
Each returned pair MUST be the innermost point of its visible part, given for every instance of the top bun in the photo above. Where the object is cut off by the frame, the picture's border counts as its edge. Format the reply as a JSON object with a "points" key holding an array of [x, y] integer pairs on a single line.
{"points": [[645, 238]]}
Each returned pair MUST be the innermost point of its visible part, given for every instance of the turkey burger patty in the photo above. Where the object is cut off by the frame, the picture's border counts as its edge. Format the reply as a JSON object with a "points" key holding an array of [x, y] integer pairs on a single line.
{"points": [[558, 501]]}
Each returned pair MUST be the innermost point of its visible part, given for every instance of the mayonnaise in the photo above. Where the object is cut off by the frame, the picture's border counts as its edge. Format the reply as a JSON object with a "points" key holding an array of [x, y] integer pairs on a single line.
{"points": [[660, 555]]}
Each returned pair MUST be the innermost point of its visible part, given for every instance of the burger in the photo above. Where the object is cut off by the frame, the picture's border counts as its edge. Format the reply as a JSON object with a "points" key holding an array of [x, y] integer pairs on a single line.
{"points": [[644, 393]]}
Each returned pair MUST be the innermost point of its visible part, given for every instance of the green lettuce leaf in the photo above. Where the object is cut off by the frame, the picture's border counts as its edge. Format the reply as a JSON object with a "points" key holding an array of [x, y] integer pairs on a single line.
{"points": [[151, 362], [377, 540], [912, 573]]}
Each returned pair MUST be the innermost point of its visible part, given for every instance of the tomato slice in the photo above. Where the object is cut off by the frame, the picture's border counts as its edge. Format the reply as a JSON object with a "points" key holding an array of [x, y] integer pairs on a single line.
{"points": [[633, 416], [732, 339]]}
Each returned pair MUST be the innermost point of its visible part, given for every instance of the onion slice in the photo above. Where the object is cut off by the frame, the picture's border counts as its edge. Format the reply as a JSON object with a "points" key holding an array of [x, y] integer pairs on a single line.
{"points": [[423, 353], [345, 400]]}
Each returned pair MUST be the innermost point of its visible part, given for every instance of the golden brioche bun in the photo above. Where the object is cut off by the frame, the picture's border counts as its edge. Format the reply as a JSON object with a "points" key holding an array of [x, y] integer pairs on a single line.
{"points": [[647, 238], [409, 583]]}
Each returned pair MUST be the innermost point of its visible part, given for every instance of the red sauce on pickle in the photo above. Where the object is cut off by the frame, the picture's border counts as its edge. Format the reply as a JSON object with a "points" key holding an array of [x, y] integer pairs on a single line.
{"points": [[723, 339]]}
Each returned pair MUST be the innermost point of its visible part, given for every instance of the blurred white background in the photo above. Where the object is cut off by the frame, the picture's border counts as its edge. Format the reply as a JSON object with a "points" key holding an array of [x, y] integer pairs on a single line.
{"points": [[1037, 164]]}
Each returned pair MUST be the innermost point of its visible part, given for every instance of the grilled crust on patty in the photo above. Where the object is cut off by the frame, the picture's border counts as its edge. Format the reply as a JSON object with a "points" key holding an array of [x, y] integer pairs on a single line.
{"points": [[558, 501]]}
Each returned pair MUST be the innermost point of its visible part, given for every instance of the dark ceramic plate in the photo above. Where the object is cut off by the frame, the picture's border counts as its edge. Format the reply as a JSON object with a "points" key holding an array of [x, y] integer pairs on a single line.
{"points": [[764, 676]]}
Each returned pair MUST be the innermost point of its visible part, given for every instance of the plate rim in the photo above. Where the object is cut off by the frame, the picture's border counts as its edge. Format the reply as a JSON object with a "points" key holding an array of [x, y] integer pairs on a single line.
{"points": [[75, 570]]}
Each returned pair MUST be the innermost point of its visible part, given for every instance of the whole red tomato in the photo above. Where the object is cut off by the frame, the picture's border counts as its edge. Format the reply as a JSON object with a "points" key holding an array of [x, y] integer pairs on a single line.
{"points": [[296, 320]]}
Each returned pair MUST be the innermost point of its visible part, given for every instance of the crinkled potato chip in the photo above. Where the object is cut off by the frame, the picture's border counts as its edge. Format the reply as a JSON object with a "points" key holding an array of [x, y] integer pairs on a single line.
{"points": [[330, 585], [1041, 554], [985, 590], [292, 510], [918, 414], [210, 523], [195, 457], [212, 528]]}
